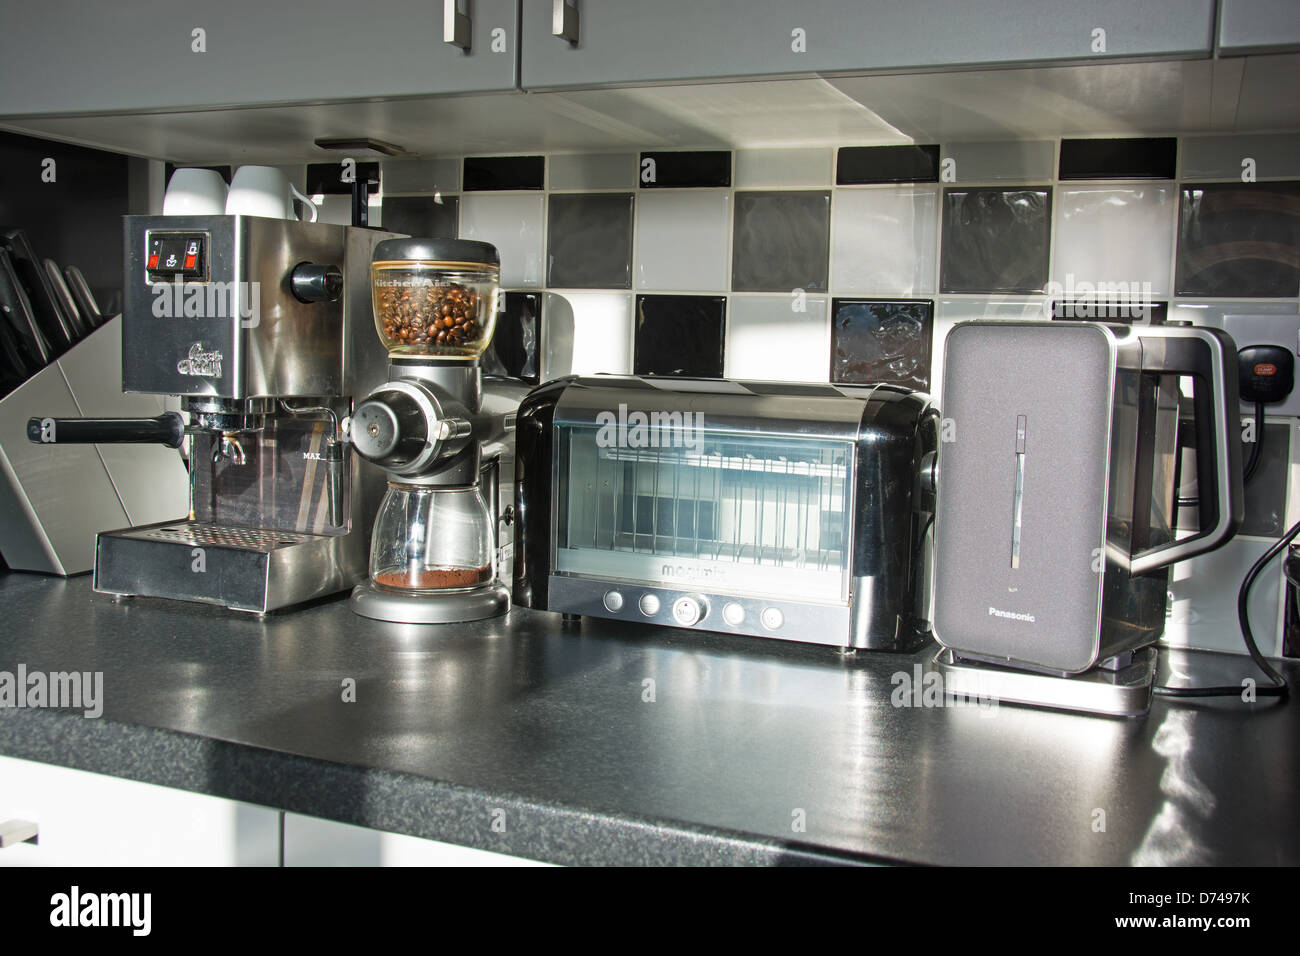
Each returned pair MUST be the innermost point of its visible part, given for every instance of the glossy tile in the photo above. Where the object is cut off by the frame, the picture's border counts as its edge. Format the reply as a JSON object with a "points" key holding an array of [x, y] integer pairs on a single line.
{"points": [[682, 241], [1126, 158], [681, 335], [1203, 599], [514, 225], [676, 168], [1239, 240], [995, 240], [419, 176], [1114, 242], [883, 240], [1270, 156], [503, 172], [586, 333], [589, 241], [784, 167], [781, 241], [421, 216], [326, 179], [593, 171], [864, 165], [882, 341], [999, 162], [515, 350], [768, 340]]}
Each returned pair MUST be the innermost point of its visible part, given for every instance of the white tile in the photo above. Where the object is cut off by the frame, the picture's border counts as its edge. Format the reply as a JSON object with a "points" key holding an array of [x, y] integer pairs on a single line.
{"points": [[681, 240], [514, 224], [1203, 612], [585, 333], [783, 167], [593, 171], [949, 312], [883, 240], [768, 341], [1119, 236]]}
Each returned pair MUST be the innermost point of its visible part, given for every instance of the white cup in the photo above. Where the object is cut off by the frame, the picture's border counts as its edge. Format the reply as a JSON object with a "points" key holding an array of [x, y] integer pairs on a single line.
{"points": [[195, 192], [264, 191]]}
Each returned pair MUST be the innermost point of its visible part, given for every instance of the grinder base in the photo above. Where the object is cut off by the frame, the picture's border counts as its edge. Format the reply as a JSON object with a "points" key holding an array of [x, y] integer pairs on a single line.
{"points": [[473, 604]]}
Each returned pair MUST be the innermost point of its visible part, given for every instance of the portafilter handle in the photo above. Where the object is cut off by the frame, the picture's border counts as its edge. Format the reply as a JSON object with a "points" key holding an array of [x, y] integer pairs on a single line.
{"points": [[166, 429]]}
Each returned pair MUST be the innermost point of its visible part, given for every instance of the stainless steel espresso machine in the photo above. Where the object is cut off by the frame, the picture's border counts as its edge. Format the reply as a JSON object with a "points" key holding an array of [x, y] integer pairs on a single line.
{"points": [[263, 328]]}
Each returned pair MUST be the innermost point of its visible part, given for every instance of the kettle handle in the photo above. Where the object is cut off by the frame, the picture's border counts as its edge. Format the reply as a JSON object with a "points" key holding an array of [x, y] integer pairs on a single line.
{"points": [[1202, 354]]}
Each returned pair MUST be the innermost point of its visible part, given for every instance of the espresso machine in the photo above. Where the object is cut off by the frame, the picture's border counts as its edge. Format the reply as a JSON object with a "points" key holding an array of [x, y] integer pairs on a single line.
{"points": [[262, 327], [433, 552]]}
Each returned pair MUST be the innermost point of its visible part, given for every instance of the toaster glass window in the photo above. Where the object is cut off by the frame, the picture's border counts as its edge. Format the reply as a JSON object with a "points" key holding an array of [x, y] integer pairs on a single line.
{"points": [[740, 511]]}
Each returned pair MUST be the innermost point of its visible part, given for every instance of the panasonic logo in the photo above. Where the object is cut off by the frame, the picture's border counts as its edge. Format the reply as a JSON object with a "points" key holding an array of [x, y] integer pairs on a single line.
{"points": [[1012, 615]]}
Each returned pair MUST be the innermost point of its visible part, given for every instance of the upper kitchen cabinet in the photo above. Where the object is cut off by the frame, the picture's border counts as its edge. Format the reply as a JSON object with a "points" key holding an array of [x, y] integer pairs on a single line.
{"points": [[604, 42], [70, 56], [1258, 26]]}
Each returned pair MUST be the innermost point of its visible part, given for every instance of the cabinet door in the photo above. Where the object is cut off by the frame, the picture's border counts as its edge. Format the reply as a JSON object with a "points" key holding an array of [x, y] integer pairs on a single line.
{"points": [[70, 56], [87, 819], [632, 41], [309, 841], [1258, 26]]}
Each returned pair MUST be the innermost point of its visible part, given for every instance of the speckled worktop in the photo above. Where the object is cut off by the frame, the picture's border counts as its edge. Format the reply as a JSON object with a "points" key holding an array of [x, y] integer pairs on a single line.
{"points": [[744, 742]]}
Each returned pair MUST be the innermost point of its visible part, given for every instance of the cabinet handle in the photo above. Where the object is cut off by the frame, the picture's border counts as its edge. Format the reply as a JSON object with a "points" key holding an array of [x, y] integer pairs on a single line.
{"points": [[18, 831], [455, 25], [564, 20]]}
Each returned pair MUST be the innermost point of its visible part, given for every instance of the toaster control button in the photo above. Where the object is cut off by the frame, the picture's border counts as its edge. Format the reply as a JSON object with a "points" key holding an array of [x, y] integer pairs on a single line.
{"points": [[613, 601], [733, 614], [688, 611], [649, 605], [772, 618]]}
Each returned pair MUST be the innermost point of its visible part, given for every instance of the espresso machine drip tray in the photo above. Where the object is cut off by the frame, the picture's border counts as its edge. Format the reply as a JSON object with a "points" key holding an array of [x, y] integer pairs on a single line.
{"points": [[202, 535], [245, 569]]}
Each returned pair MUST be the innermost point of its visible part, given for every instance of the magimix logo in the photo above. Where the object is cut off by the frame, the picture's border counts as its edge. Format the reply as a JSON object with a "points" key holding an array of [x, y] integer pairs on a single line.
{"points": [[75, 908], [1012, 615]]}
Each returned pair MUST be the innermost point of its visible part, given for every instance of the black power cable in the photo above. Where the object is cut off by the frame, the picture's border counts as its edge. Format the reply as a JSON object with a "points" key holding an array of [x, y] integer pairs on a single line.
{"points": [[1278, 686]]}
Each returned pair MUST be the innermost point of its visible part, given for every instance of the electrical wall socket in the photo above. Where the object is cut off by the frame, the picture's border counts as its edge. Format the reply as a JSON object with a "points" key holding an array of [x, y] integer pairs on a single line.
{"points": [[1283, 330]]}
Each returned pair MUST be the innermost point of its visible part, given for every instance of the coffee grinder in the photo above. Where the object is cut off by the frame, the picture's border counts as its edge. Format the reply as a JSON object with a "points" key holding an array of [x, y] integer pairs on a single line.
{"points": [[433, 550]]}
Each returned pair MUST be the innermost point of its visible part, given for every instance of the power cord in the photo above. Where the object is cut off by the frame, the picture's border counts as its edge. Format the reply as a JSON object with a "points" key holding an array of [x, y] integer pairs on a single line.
{"points": [[1278, 686], [1252, 463]]}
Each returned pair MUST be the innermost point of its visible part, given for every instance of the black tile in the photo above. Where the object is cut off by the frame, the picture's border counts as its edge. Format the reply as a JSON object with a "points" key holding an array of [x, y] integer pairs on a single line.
{"points": [[1155, 158], [1239, 241], [679, 169], [503, 172], [1126, 313], [421, 216], [679, 335], [995, 240], [859, 165], [326, 179], [781, 241], [882, 341], [589, 241], [516, 342]]}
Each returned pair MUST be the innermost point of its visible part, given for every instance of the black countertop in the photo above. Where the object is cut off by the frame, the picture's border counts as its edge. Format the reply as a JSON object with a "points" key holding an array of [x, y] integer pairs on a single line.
{"points": [[750, 751]]}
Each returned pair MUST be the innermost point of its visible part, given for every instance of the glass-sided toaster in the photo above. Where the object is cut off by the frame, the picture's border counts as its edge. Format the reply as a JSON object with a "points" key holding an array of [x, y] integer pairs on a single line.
{"points": [[762, 508]]}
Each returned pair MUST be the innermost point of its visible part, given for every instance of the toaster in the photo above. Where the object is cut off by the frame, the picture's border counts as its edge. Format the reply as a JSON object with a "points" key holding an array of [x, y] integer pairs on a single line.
{"points": [[768, 509]]}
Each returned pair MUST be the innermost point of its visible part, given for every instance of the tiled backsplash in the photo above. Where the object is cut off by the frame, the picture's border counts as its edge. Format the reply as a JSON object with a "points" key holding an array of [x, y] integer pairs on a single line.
{"points": [[853, 264]]}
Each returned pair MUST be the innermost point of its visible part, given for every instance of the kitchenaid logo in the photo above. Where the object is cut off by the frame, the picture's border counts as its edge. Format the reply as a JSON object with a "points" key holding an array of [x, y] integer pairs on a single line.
{"points": [[690, 572], [208, 300], [201, 362], [1012, 615], [75, 908], [639, 429], [1099, 300], [71, 690]]}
